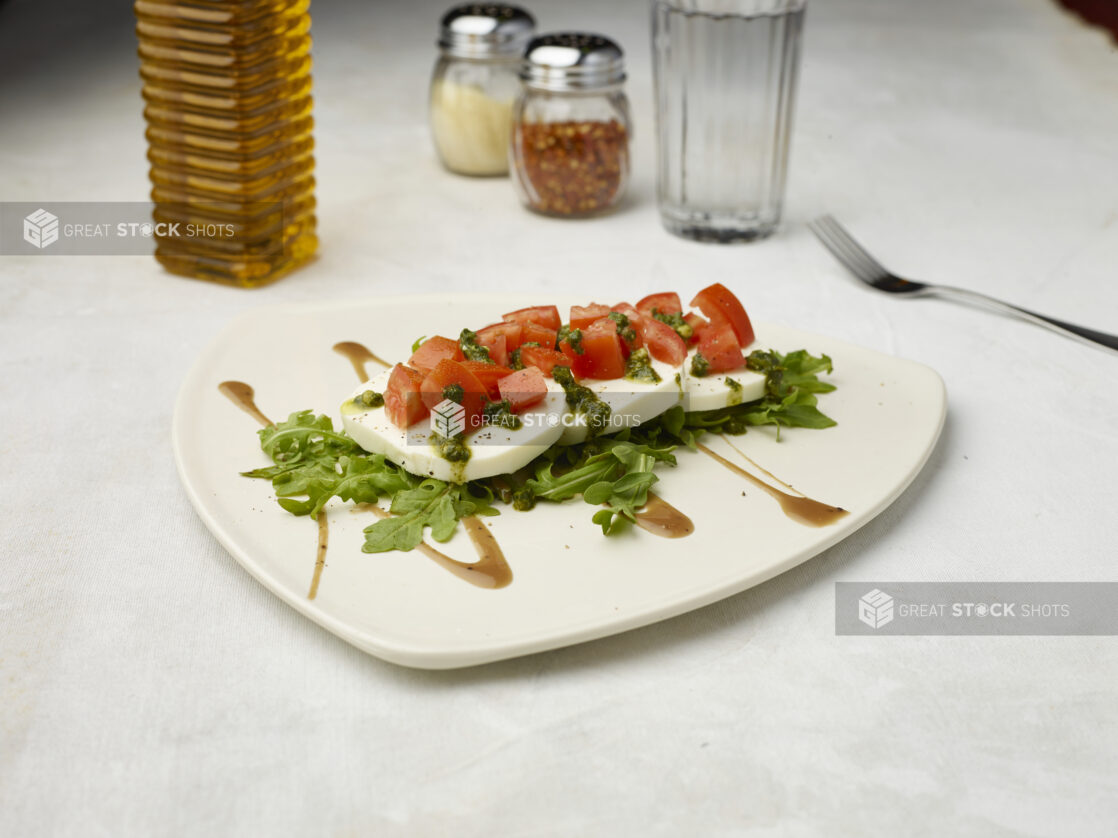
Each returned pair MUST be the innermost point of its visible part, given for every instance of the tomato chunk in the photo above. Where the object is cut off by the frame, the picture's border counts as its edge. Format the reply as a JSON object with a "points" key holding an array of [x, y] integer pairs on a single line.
{"points": [[665, 303], [523, 388], [542, 358], [497, 346], [448, 373], [604, 347], [583, 316], [627, 346], [433, 350], [403, 403], [602, 355], [719, 345], [625, 309], [535, 333], [541, 315], [663, 343], [579, 366], [488, 375], [717, 300], [512, 332]]}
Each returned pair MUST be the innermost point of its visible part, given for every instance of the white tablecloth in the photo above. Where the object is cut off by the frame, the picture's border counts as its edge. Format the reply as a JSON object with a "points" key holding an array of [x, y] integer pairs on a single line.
{"points": [[149, 686]]}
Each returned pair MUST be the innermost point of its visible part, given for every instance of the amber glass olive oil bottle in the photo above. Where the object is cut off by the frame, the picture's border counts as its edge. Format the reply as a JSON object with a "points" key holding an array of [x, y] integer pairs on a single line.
{"points": [[227, 92]]}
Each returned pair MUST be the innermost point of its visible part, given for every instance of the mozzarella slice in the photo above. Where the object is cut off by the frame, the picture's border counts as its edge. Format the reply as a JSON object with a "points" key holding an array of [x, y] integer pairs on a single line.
{"points": [[714, 391], [631, 402], [493, 450]]}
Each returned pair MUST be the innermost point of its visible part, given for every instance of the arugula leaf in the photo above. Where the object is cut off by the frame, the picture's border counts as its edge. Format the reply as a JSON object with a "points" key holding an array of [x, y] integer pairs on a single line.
{"points": [[796, 370], [364, 480], [426, 504], [607, 470], [433, 504], [313, 463], [795, 410], [304, 438], [630, 491], [674, 422]]}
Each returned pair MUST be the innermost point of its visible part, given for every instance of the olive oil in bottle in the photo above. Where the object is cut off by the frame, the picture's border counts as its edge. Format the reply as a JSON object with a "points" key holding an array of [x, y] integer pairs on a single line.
{"points": [[227, 89]]}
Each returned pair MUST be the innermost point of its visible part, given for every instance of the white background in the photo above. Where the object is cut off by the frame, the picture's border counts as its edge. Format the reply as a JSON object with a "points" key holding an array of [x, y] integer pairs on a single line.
{"points": [[148, 686]]}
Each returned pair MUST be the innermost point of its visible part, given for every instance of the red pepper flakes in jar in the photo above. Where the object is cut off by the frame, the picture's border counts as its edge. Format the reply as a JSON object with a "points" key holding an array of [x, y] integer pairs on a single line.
{"points": [[573, 168], [570, 144]]}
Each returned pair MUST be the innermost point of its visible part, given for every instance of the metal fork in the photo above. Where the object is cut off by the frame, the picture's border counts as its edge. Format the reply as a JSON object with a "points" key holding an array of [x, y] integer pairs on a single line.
{"points": [[873, 273]]}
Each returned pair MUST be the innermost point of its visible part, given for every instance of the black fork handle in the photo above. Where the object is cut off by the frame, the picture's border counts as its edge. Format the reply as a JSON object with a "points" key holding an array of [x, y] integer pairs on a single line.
{"points": [[1051, 323]]}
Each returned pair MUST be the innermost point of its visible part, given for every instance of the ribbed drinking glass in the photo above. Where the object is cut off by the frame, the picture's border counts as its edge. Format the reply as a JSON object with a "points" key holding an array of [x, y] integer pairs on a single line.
{"points": [[725, 75]]}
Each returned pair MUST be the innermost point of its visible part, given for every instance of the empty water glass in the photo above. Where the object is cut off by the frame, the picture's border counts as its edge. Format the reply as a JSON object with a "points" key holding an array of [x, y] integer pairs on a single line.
{"points": [[725, 75]]}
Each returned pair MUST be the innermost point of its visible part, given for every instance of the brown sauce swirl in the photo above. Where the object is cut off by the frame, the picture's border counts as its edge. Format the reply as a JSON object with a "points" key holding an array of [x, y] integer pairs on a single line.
{"points": [[359, 355], [242, 396], [320, 558], [660, 518], [758, 466], [800, 508]]}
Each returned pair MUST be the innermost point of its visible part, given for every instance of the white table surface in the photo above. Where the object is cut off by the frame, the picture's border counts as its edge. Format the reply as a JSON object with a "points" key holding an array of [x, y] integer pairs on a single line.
{"points": [[148, 686]]}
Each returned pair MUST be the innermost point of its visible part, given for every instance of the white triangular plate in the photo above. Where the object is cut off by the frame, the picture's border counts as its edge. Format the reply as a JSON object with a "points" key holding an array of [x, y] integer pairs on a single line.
{"points": [[571, 584]]}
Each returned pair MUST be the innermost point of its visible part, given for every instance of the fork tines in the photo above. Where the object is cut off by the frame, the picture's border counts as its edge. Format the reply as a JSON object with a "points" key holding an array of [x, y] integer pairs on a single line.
{"points": [[835, 238]]}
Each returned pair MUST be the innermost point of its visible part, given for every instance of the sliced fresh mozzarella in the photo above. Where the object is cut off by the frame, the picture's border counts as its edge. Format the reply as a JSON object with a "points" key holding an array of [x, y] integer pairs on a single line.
{"points": [[713, 391], [493, 450], [631, 402]]}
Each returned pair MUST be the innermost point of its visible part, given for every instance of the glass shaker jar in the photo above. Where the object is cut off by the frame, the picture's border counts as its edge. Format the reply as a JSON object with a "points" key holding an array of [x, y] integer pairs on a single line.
{"points": [[571, 128], [475, 84]]}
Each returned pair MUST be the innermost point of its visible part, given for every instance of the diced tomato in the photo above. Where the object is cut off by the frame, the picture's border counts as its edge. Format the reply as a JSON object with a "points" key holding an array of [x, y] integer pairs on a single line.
{"points": [[717, 299], [610, 323], [665, 303], [542, 358], [433, 350], [454, 372], [497, 346], [583, 316], [634, 318], [403, 402], [572, 359], [523, 388], [697, 325], [602, 355], [604, 346], [488, 375], [663, 343], [511, 331], [535, 333], [541, 315], [719, 345]]}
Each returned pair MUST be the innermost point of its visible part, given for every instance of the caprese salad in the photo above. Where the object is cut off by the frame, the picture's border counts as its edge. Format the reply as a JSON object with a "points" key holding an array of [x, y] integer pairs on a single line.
{"points": [[539, 406], [533, 380]]}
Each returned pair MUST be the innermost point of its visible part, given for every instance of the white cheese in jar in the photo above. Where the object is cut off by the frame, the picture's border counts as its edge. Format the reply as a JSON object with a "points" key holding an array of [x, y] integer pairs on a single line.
{"points": [[471, 129]]}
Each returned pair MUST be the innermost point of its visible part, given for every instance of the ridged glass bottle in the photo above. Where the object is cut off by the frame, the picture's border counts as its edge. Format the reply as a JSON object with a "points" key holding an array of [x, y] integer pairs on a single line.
{"points": [[227, 88]]}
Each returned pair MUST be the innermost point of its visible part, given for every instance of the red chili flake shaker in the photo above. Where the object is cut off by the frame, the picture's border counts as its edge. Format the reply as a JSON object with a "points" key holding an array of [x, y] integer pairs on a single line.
{"points": [[571, 128]]}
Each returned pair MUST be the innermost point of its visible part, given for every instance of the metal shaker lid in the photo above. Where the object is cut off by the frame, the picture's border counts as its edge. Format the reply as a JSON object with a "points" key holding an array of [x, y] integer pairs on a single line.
{"points": [[481, 30], [572, 61]]}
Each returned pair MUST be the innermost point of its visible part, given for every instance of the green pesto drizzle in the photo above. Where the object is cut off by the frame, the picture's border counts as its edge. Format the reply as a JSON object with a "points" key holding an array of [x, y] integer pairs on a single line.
{"points": [[583, 401], [471, 349], [639, 367], [735, 392], [700, 366]]}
